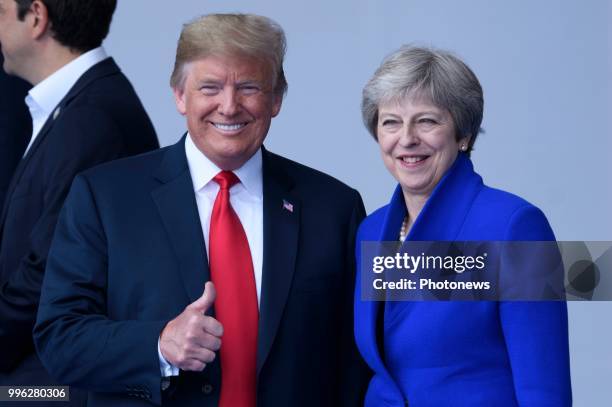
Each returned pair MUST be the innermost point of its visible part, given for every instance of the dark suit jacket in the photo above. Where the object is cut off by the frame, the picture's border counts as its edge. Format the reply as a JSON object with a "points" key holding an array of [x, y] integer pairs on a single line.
{"points": [[461, 353], [15, 125], [128, 256], [100, 119]]}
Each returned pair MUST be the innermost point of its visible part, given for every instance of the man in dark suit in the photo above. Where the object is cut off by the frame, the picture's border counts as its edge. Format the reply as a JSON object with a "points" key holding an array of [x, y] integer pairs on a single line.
{"points": [[15, 126], [211, 272], [84, 112]]}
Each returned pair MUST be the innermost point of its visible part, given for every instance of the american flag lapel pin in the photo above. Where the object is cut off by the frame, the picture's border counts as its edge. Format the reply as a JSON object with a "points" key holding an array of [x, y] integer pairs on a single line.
{"points": [[287, 205]]}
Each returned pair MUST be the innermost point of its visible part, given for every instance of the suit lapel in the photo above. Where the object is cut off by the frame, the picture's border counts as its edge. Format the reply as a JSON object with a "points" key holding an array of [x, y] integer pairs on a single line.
{"points": [[23, 164], [281, 227], [99, 70], [175, 201]]}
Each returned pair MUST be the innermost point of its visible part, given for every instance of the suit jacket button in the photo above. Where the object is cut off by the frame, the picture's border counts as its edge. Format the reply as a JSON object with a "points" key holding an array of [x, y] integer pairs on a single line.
{"points": [[207, 388]]}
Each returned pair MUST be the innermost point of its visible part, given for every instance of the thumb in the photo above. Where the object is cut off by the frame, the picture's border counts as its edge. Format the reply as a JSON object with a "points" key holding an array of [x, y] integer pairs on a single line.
{"points": [[207, 299]]}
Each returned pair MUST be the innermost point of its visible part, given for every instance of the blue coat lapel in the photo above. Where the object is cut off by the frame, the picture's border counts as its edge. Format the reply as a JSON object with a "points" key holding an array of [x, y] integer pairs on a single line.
{"points": [[393, 217], [175, 201], [446, 209], [440, 219]]}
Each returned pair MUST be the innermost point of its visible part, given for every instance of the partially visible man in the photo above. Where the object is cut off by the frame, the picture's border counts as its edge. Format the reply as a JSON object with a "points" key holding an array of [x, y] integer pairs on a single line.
{"points": [[127, 310], [84, 112], [15, 125]]}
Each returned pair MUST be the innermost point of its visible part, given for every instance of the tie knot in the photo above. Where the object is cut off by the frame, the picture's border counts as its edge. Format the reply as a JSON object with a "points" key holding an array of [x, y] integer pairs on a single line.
{"points": [[226, 179]]}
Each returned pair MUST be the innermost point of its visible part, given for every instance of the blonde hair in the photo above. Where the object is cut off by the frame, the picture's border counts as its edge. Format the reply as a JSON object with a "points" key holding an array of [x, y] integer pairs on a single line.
{"points": [[232, 34]]}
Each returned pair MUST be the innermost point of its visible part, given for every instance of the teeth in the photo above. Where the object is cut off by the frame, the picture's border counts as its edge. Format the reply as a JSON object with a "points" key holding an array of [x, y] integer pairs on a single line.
{"points": [[412, 160], [229, 127]]}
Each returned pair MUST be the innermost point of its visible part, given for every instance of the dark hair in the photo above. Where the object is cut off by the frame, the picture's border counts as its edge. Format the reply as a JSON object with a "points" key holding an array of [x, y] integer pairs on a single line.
{"points": [[80, 25]]}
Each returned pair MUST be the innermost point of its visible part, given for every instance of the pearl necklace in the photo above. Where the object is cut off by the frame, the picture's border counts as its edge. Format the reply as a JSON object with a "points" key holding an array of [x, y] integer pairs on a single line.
{"points": [[404, 229]]}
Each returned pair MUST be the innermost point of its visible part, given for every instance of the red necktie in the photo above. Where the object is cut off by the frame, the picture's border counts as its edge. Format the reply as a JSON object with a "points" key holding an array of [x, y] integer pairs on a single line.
{"points": [[231, 269]]}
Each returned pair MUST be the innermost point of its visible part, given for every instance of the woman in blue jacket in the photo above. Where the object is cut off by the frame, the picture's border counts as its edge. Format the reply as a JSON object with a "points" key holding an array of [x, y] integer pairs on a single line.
{"points": [[424, 108]]}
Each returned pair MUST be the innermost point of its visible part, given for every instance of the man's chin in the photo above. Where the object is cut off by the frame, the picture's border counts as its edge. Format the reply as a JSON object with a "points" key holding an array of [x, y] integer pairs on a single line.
{"points": [[228, 162], [6, 67], [225, 153]]}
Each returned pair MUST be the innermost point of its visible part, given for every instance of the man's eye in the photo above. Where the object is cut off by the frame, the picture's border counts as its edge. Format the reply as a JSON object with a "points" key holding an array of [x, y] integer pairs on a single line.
{"points": [[209, 89], [249, 89]]}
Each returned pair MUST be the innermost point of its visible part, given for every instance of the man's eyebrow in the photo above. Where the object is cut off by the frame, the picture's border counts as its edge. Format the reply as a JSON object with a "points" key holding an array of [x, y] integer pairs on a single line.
{"points": [[207, 81], [249, 82]]}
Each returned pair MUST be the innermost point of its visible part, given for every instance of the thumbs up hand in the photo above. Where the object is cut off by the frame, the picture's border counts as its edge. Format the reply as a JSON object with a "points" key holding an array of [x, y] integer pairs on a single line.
{"points": [[207, 299], [190, 340]]}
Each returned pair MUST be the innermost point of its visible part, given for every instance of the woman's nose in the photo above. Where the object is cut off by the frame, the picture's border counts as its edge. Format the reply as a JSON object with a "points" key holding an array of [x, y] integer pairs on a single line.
{"points": [[409, 136]]}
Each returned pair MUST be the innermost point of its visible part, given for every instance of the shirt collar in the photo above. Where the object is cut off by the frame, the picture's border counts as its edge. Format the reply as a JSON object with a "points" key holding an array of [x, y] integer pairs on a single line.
{"points": [[47, 94], [203, 170]]}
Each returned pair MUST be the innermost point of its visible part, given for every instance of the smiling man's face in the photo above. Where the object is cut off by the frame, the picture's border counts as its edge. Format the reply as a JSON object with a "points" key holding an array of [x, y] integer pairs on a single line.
{"points": [[229, 103]]}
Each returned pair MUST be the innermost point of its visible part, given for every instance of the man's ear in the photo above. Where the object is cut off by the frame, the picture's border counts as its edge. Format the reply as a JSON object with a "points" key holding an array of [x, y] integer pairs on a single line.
{"points": [[40, 19], [179, 99], [276, 107]]}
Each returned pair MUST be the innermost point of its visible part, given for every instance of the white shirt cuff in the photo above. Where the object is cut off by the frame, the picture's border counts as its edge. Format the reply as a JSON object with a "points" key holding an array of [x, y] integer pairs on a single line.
{"points": [[165, 367]]}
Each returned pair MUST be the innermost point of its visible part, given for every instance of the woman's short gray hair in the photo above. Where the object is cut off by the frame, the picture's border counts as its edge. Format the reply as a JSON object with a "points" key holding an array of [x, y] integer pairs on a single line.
{"points": [[425, 72], [232, 34]]}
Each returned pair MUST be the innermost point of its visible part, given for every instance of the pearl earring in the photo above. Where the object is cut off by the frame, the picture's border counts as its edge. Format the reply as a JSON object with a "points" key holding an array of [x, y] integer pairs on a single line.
{"points": [[464, 147]]}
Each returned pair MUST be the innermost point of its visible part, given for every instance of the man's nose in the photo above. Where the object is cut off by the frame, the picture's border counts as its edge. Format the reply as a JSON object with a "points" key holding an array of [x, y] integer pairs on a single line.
{"points": [[228, 105]]}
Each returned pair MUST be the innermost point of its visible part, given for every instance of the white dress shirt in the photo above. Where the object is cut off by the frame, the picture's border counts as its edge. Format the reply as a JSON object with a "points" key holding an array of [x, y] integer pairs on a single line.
{"points": [[246, 199], [43, 98]]}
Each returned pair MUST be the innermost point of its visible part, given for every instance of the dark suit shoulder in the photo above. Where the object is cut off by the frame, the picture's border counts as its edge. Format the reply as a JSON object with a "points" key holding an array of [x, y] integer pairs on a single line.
{"points": [[101, 84], [114, 88], [104, 96], [308, 177]]}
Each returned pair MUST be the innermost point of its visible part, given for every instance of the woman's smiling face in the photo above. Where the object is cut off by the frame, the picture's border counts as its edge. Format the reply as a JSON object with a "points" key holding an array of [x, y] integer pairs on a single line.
{"points": [[417, 142]]}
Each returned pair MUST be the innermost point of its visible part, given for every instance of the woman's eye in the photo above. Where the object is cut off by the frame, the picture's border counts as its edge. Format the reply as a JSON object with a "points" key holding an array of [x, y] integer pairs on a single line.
{"points": [[389, 122], [426, 120]]}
